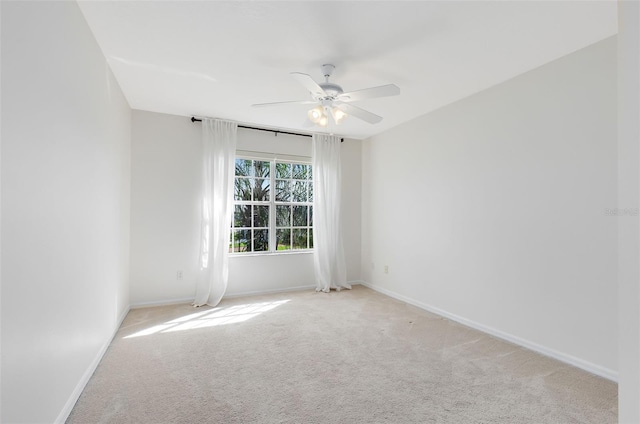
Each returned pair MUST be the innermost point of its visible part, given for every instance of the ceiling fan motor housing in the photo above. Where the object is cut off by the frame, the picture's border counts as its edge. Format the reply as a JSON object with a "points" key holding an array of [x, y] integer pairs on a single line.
{"points": [[332, 90]]}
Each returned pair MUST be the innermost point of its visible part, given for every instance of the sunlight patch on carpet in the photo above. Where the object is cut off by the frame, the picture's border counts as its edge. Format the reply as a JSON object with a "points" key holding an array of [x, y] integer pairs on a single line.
{"points": [[211, 318]]}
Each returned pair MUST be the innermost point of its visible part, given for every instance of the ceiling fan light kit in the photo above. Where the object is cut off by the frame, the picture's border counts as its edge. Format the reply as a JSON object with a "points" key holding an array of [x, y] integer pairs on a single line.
{"points": [[315, 114], [331, 100], [338, 115], [319, 116]]}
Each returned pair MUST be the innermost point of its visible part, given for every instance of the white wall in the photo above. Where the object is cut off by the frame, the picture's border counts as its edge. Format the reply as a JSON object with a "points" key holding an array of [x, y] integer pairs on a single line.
{"points": [[65, 208], [165, 153], [492, 209], [351, 157], [0, 214], [165, 214], [628, 199]]}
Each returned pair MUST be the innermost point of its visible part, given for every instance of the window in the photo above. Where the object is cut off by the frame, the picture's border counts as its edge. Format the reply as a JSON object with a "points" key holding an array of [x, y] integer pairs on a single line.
{"points": [[267, 220]]}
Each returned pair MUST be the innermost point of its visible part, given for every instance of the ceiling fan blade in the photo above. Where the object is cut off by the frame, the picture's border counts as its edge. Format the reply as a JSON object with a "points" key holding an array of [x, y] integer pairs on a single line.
{"points": [[308, 82], [370, 93], [295, 102], [359, 113]]}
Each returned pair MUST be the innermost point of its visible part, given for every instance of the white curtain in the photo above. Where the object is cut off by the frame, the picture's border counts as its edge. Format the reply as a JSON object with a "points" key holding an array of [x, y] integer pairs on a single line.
{"points": [[219, 150], [328, 254]]}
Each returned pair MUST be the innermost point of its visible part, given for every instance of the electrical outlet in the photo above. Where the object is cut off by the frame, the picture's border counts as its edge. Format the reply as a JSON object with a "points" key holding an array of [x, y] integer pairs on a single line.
{"points": [[179, 275], [386, 269]]}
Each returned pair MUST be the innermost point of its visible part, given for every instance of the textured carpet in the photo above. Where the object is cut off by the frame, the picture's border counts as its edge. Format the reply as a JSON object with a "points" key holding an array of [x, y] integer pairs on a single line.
{"points": [[344, 357]]}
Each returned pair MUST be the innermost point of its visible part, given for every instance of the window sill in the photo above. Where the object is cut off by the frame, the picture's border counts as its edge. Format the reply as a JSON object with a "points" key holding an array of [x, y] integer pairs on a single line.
{"points": [[277, 253]]}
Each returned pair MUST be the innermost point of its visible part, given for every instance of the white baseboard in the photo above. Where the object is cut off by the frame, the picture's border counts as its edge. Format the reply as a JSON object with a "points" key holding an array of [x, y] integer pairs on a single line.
{"points": [[270, 291], [231, 296], [283, 290], [75, 395], [166, 302], [563, 357]]}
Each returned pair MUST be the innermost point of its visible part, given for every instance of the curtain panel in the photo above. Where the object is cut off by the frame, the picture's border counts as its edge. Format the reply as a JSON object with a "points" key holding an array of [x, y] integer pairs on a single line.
{"points": [[219, 139], [328, 256]]}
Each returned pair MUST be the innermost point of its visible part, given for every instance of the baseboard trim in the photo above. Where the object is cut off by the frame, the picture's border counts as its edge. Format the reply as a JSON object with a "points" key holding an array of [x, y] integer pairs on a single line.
{"points": [[560, 356], [75, 395], [233, 295], [270, 291], [166, 302], [189, 300], [283, 290]]}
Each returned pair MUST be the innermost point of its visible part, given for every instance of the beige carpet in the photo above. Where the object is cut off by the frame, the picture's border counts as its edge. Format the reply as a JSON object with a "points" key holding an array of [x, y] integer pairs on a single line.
{"points": [[344, 357]]}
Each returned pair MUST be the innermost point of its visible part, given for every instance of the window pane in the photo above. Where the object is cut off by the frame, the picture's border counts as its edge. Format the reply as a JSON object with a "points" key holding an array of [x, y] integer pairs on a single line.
{"points": [[283, 170], [261, 190], [300, 171], [261, 216], [243, 167], [299, 191], [283, 239], [299, 216], [242, 241], [262, 169], [242, 216], [261, 240], [242, 189], [299, 238], [283, 191], [283, 216], [251, 227]]}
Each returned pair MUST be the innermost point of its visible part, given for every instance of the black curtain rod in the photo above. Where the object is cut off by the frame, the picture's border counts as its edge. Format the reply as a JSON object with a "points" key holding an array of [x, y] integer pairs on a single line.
{"points": [[194, 119]]}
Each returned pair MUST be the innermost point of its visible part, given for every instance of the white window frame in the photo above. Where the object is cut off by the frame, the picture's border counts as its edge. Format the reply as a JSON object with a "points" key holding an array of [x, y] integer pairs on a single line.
{"points": [[273, 204]]}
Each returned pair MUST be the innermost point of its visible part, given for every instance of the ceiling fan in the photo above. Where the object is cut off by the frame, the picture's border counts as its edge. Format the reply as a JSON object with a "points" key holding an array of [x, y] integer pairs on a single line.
{"points": [[332, 101]]}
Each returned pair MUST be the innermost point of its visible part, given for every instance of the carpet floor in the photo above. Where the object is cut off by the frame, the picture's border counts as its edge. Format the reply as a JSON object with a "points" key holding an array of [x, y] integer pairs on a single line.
{"points": [[354, 356]]}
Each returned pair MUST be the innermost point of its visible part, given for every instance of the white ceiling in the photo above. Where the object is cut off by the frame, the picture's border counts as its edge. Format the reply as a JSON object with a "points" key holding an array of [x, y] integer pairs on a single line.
{"points": [[217, 58]]}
